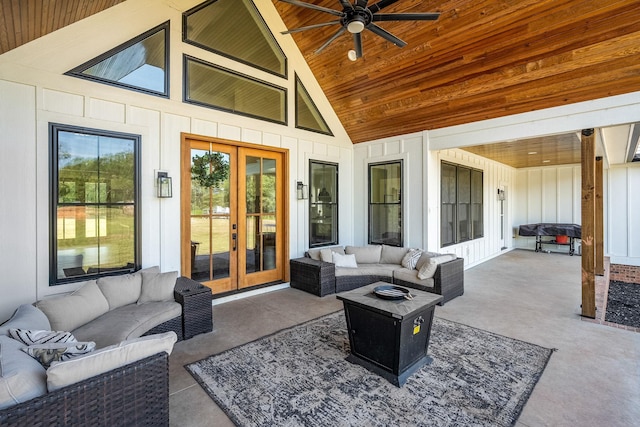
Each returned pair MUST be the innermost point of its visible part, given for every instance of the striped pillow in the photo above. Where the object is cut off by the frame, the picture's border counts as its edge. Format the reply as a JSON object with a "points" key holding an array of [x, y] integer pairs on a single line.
{"points": [[411, 258], [31, 337], [49, 353]]}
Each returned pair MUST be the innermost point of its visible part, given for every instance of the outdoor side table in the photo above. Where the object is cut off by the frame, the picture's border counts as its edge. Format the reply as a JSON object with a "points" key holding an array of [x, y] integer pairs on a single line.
{"points": [[197, 314], [389, 337]]}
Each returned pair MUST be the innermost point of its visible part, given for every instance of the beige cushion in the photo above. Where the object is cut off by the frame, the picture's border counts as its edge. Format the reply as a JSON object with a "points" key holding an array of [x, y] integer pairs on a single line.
{"points": [[21, 376], [95, 363], [26, 317], [429, 269], [392, 254], [127, 322], [424, 258], [347, 261], [317, 253], [385, 270], [365, 254], [69, 312], [158, 286], [121, 290], [410, 278]]}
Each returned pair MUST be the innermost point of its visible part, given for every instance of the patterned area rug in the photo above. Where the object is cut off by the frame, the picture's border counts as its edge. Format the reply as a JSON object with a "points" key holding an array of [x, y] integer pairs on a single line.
{"points": [[299, 377], [623, 303]]}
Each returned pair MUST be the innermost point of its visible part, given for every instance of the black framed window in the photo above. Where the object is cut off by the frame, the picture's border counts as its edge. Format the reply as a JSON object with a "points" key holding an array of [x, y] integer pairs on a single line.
{"points": [[323, 203], [209, 85], [385, 203], [95, 213], [461, 204], [140, 64]]}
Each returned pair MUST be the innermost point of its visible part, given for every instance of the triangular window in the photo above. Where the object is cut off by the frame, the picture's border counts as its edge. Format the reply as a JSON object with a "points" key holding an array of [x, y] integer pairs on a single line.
{"points": [[235, 29], [307, 115], [140, 64]]}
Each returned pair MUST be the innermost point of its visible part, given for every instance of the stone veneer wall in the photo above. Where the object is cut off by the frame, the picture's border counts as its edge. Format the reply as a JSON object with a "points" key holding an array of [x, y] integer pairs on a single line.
{"points": [[624, 273]]}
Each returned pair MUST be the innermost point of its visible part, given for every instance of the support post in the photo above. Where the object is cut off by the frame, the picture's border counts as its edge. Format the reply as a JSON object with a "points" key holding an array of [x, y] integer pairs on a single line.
{"points": [[588, 223], [599, 230]]}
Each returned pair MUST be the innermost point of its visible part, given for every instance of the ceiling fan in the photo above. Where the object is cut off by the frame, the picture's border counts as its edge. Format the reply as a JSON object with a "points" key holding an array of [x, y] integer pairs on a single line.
{"points": [[357, 17]]}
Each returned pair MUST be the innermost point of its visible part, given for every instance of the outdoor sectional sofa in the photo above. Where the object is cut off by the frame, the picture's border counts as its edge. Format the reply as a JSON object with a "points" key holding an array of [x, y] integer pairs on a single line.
{"points": [[134, 319], [317, 273]]}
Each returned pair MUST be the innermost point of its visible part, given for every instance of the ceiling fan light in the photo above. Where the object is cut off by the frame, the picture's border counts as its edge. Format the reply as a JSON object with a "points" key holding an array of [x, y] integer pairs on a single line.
{"points": [[355, 27], [352, 55]]}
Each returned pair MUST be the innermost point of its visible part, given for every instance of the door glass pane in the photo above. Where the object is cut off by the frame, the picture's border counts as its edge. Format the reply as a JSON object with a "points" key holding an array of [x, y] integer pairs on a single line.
{"points": [[210, 212], [261, 206]]}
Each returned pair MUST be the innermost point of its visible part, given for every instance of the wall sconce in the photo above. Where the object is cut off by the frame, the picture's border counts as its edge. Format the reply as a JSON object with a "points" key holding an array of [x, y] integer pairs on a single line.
{"points": [[165, 187], [302, 191], [500, 194]]}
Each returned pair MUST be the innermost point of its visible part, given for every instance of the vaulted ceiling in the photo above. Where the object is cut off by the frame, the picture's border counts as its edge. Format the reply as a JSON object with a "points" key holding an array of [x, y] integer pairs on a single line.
{"points": [[481, 59]]}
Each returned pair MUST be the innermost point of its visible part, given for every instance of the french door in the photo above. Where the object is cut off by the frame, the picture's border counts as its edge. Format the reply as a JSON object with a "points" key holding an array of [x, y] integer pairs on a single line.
{"points": [[233, 204]]}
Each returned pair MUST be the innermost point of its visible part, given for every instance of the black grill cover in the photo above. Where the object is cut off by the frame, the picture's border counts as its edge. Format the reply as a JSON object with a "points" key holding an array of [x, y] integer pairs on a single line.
{"points": [[550, 229]]}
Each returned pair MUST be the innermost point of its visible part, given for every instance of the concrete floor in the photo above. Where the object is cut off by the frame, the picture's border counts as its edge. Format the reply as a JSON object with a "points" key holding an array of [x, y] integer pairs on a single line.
{"points": [[592, 380]]}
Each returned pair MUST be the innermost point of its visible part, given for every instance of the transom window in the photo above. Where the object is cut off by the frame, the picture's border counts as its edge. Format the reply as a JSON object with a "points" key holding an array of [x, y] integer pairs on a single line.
{"points": [[385, 203], [461, 196], [234, 28], [94, 203], [217, 87], [140, 64]]}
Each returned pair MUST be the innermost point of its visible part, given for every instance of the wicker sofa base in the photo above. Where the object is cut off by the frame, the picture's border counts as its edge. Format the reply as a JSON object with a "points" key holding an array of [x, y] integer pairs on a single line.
{"points": [[318, 277], [133, 395]]}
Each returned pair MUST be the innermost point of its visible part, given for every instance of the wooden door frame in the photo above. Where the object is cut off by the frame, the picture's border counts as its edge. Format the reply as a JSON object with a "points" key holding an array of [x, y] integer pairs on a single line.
{"points": [[185, 175]]}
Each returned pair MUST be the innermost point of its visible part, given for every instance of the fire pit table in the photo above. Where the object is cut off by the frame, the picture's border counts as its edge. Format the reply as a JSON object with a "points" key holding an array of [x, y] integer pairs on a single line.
{"points": [[388, 332]]}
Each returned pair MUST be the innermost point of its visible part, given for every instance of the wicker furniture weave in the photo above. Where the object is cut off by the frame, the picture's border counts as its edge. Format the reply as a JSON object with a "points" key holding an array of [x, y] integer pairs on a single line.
{"points": [[448, 280], [195, 299], [318, 277], [133, 395]]}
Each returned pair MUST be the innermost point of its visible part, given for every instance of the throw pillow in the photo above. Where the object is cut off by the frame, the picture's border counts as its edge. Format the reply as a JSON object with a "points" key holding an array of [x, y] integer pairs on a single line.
{"points": [[30, 337], [47, 354], [428, 269], [157, 286], [411, 259], [348, 261]]}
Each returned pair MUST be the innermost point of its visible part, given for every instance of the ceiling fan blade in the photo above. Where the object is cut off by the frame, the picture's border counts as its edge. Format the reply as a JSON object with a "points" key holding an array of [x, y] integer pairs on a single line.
{"points": [[345, 4], [357, 42], [313, 6], [385, 35], [381, 5], [406, 17], [310, 27], [362, 3], [332, 38]]}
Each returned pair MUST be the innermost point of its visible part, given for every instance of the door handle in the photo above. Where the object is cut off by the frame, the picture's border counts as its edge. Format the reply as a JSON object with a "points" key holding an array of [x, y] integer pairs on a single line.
{"points": [[234, 236]]}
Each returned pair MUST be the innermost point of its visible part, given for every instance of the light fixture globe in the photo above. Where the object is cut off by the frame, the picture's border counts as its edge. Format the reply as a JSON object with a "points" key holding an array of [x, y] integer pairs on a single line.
{"points": [[356, 26], [352, 55]]}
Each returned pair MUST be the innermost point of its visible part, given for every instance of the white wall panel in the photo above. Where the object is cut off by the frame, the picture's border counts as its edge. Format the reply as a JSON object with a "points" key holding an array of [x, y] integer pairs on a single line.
{"points": [[566, 196], [534, 196], [18, 260], [62, 102], [204, 127], [634, 212], [105, 110], [549, 195]]}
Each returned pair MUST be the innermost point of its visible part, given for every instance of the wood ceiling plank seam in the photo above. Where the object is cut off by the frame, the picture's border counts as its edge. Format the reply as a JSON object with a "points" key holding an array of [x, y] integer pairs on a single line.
{"points": [[584, 60], [18, 23], [32, 15]]}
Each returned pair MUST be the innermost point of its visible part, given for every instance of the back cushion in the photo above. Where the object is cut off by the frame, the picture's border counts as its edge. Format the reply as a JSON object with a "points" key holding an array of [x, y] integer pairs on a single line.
{"points": [[317, 253], [69, 312], [120, 290], [26, 317], [392, 254], [365, 254]]}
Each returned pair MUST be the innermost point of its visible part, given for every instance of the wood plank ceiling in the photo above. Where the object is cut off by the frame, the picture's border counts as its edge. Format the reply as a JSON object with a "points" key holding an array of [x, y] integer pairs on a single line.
{"points": [[482, 59]]}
